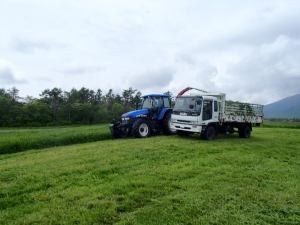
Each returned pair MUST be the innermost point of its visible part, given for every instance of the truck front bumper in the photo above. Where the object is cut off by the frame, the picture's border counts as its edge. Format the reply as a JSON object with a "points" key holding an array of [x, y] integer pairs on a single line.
{"points": [[186, 127]]}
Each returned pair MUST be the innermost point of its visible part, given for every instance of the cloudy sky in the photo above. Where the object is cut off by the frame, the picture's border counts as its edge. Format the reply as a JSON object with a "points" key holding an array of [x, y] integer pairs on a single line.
{"points": [[249, 50]]}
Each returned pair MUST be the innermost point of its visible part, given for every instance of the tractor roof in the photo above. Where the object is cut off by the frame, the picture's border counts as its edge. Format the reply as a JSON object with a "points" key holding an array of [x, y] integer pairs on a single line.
{"points": [[155, 95]]}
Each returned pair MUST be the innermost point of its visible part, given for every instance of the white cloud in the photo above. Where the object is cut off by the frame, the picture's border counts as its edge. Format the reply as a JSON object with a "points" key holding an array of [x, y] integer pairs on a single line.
{"points": [[152, 79], [247, 49]]}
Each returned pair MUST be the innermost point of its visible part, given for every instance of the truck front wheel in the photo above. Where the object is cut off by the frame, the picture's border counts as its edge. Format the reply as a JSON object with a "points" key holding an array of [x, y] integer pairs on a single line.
{"points": [[209, 133], [141, 129]]}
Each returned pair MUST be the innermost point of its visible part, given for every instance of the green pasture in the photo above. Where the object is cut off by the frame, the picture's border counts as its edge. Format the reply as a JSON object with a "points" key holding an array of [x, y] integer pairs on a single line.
{"points": [[158, 180]]}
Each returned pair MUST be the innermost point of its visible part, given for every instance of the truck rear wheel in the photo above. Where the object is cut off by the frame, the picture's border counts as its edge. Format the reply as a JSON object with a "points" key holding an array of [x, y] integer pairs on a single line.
{"points": [[244, 132], [167, 130], [141, 128], [209, 133]]}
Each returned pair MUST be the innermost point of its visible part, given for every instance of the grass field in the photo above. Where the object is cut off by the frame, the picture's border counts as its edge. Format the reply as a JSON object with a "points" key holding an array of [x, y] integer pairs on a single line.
{"points": [[159, 180]]}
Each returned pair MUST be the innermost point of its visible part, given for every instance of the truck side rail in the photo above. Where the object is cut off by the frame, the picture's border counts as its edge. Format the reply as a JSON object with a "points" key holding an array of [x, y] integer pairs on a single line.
{"points": [[238, 112], [245, 109]]}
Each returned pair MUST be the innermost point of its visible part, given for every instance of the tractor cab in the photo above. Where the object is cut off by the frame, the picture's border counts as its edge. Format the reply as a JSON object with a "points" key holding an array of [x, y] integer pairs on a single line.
{"points": [[152, 115], [155, 105]]}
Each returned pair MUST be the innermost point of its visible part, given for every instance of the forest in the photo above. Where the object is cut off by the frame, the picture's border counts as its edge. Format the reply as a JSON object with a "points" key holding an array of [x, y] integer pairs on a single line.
{"points": [[57, 107]]}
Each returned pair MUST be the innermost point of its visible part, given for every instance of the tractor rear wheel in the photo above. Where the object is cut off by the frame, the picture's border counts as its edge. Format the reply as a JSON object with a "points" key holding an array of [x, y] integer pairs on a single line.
{"points": [[167, 130], [141, 128]]}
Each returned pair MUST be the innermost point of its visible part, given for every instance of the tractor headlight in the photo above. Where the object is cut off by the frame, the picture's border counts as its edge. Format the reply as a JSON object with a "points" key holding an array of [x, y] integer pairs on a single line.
{"points": [[125, 118]]}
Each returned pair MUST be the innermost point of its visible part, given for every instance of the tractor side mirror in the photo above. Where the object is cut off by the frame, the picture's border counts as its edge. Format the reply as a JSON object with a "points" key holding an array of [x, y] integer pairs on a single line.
{"points": [[137, 103]]}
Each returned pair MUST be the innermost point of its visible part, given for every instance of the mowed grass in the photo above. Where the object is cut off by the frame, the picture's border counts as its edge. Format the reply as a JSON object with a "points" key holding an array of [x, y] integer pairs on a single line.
{"points": [[17, 140], [158, 180]]}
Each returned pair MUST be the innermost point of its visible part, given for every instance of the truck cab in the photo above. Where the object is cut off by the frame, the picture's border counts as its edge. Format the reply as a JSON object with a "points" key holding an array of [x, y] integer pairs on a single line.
{"points": [[192, 113], [211, 114]]}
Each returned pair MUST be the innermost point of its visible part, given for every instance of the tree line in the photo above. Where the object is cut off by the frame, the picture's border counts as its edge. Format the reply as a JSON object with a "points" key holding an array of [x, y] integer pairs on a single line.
{"points": [[58, 107]]}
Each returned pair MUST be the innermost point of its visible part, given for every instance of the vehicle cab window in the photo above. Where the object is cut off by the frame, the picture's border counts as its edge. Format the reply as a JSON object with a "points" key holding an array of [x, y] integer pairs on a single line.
{"points": [[215, 106], [166, 102], [207, 109]]}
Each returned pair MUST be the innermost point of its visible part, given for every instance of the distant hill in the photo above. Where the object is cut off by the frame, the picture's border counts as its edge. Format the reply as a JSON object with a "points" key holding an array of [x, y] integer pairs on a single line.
{"points": [[286, 108]]}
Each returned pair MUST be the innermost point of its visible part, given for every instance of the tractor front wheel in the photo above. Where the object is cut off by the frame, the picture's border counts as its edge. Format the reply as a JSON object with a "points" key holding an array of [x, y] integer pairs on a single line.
{"points": [[141, 128]]}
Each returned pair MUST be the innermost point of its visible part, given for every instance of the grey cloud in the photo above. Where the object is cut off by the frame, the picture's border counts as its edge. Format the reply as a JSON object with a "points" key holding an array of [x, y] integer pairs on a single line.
{"points": [[267, 33], [208, 72], [282, 26], [185, 57], [29, 46], [272, 68], [206, 77], [82, 70], [7, 77], [150, 79], [263, 28], [44, 79]]}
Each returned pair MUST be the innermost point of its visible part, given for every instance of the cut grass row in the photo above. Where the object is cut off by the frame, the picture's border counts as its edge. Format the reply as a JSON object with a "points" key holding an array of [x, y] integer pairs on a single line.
{"points": [[17, 140], [275, 124], [158, 180]]}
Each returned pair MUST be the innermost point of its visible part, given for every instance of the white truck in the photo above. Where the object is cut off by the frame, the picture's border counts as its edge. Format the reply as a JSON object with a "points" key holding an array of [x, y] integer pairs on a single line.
{"points": [[211, 114]]}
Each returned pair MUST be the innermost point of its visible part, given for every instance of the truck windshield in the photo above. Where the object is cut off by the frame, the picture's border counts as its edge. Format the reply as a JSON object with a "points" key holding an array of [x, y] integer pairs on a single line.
{"points": [[187, 104]]}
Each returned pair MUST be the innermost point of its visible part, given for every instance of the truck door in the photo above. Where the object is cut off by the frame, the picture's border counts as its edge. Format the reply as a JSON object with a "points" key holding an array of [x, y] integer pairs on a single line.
{"points": [[207, 110]]}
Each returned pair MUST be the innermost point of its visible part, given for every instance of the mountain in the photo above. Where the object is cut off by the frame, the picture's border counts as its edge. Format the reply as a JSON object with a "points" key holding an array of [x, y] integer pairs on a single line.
{"points": [[286, 108]]}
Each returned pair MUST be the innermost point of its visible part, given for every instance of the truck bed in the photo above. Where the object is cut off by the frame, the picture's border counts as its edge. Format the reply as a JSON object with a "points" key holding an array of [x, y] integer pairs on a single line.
{"points": [[241, 112]]}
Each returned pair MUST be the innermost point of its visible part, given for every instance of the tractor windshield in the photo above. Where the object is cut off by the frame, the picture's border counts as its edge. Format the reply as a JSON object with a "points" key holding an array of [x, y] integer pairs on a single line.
{"points": [[156, 102], [188, 104], [147, 103]]}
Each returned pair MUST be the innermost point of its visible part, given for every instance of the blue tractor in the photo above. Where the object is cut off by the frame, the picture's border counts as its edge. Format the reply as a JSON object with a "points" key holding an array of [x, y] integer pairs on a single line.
{"points": [[153, 117]]}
